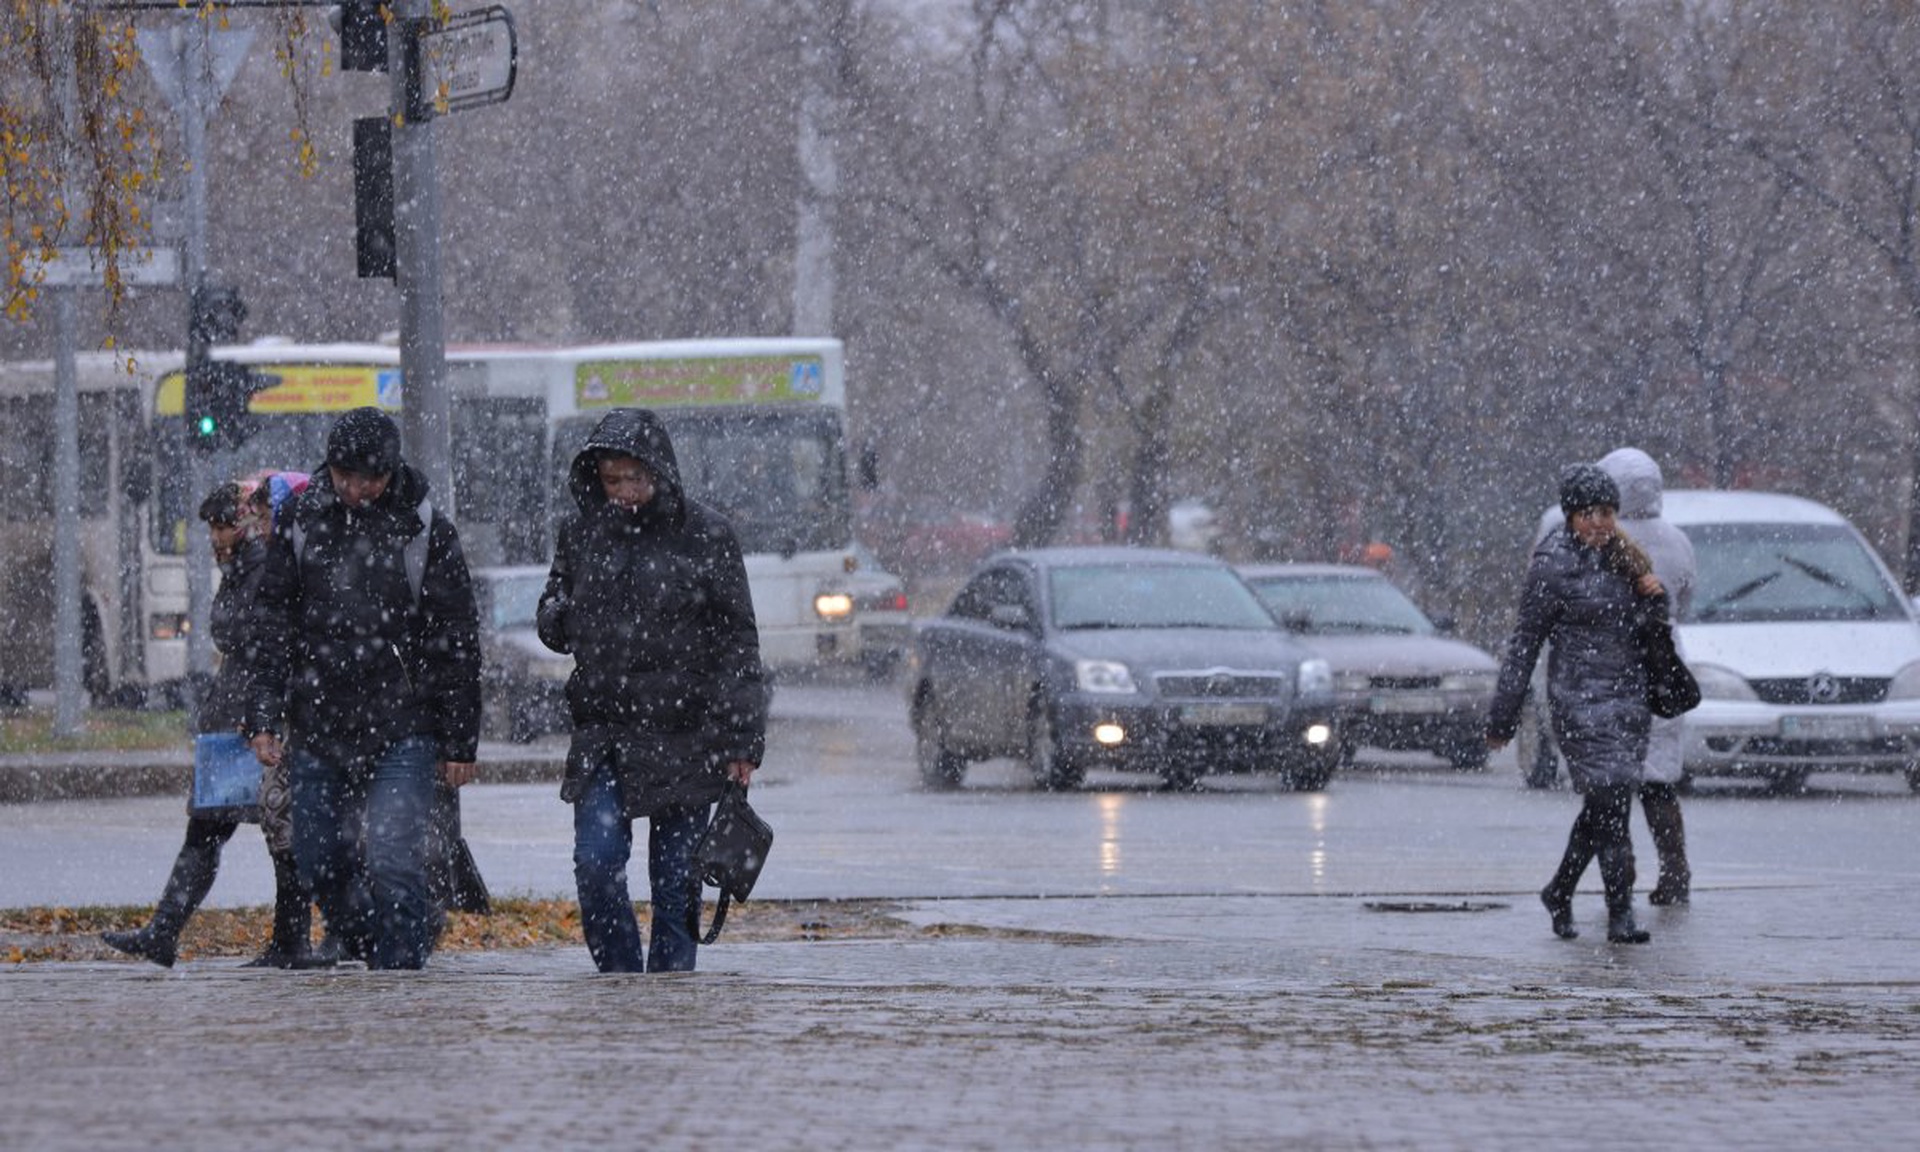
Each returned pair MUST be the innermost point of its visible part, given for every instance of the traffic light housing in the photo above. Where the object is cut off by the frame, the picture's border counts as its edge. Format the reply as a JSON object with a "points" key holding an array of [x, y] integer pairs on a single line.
{"points": [[374, 242], [363, 36], [217, 395], [216, 315]]}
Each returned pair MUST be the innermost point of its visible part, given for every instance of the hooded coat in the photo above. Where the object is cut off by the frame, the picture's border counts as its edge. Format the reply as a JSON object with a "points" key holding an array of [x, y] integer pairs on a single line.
{"points": [[653, 605], [1596, 684], [348, 660], [1642, 491]]}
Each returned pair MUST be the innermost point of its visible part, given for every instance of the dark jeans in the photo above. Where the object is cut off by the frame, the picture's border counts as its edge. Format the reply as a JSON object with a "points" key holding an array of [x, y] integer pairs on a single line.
{"points": [[360, 836], [602, 845]]}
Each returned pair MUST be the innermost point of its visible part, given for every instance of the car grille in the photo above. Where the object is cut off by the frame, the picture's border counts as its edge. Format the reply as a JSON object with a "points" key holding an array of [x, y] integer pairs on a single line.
{"points": [[1403, 683], [1220, 686], [1821, 690]]}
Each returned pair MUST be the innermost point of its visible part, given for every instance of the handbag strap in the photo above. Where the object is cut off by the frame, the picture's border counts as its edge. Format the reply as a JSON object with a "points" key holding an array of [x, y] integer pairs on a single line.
{"points": [[695, 889], [693, 915]]}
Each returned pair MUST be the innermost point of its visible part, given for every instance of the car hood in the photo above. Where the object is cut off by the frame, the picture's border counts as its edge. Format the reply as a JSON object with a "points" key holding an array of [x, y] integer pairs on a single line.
{"points": [[1194, 649], [1771, 650], [1400, 655]]}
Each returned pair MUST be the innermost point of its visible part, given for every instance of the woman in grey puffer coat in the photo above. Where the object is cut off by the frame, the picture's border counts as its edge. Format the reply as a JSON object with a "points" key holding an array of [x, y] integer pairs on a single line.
{"points": [[1588, 591]]}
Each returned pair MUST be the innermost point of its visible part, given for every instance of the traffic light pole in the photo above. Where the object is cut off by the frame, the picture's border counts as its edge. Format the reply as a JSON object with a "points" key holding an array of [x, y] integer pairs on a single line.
{"points": [[427, 414]]}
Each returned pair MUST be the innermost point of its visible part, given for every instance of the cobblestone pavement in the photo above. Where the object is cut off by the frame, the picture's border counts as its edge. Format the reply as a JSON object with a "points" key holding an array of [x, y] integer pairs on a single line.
{"points": [[1128, 1022]]}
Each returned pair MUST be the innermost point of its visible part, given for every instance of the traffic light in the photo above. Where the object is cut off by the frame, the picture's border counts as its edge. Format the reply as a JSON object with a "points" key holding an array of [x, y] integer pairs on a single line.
{"points": [[363, 36], [217, 395], [216, 314], [373, 234]]}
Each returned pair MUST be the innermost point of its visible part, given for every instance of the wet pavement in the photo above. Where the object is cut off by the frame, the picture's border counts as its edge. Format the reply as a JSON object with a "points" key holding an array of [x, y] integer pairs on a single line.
{"points": [[1241, 968]]}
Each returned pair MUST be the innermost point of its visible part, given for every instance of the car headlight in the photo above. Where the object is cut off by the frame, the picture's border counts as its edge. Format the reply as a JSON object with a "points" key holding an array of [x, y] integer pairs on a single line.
{"points": [[1316, 678], [1717, 683], [1905, 684], [1475, 682], [1102, 676]]}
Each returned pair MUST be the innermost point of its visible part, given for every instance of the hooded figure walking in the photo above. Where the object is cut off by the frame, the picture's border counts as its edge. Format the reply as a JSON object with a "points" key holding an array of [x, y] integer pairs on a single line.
{"points": [[648, 592], [368, 682], [1589, 590]]}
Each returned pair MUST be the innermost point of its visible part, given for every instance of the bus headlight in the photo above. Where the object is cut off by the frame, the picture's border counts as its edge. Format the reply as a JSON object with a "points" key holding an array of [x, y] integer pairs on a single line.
{"points": [[833, 605], [168, 626]]}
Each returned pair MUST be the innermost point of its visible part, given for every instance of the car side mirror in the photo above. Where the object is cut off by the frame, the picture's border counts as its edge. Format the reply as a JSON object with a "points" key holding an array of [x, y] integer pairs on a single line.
{"points": [[1011, 616], [1444, 625], [1297, 621]]}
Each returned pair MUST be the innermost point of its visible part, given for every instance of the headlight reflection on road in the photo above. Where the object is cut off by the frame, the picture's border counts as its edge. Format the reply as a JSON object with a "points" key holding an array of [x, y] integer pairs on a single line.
{"points": [[1317, 822], [1110, 805]]}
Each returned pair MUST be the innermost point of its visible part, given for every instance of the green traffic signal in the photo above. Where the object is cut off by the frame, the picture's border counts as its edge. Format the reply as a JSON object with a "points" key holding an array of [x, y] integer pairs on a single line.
{"points": [[207, 427]]}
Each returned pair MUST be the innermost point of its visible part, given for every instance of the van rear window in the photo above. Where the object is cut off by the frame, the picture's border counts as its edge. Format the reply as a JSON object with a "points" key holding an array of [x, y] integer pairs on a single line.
{"points": [[1750, 573]]}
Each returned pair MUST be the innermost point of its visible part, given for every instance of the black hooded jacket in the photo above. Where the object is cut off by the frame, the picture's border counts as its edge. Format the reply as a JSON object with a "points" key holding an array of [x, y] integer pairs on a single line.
{"points": [[347, 659], [654, 607]]}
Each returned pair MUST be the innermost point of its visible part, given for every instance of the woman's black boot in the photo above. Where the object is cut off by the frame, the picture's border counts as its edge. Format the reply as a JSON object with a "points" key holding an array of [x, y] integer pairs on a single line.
{"points": [[1621, 928], [292, 920], [1560, 908], [193, 872]]}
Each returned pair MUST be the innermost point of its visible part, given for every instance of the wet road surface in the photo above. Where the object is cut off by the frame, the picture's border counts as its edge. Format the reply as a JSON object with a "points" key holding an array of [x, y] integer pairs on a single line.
{"points": [[1117, 968]]}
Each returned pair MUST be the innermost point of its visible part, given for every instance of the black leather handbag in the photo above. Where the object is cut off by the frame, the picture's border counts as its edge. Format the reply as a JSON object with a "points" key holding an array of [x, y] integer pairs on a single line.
{"points": [[729, 857], [1671, 688]]}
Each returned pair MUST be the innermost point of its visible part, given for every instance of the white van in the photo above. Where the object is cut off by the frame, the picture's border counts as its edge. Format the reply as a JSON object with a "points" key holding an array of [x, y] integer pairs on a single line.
{"points": [[1807, 653]]}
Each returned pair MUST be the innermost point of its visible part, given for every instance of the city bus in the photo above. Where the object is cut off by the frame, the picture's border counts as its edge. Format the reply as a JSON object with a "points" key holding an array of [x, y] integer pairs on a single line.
{"points": [[759, 431], [114, 468], [759, 426]]}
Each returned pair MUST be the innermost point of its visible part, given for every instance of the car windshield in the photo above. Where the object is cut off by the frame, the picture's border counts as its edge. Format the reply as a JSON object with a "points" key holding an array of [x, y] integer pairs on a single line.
{"points": [[512, 601], [1322, 605], [1153, 596], [1778, 572]]}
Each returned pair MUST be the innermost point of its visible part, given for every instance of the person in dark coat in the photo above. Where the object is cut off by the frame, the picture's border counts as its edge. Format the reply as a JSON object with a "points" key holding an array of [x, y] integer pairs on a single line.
{"points": [[668, 699], [239, 525], [1589, 590], [368, 681]]}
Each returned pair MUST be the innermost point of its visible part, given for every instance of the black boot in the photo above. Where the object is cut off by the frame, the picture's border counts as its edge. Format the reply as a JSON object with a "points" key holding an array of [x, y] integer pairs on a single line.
{"points": [[1662, 807], [1621, 928], [193, 872], [1560, 908], [292, 919]]}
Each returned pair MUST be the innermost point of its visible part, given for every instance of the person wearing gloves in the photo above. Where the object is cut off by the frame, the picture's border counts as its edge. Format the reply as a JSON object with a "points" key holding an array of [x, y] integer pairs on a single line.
{"points": [[648, 592], [1588, 591], [367, 680]]}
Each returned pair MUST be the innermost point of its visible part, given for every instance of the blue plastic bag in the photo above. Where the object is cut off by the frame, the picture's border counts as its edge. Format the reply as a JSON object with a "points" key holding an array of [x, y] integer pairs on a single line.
{"points": [[226, 775]]}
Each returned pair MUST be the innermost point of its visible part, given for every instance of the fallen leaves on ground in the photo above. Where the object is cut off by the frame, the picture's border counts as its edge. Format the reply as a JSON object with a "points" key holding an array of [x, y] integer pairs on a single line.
{"points": [[41, 934]]}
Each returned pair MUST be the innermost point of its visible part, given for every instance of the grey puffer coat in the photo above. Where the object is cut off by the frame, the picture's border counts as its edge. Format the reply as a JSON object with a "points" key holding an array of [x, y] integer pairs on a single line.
{"points": [[1596, 685], [654, 607]]}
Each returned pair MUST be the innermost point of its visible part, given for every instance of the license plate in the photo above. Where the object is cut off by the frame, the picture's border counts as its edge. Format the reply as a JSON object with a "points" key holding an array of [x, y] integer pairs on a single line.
{"points": [[1408, 702], [1210, 714], [1827, 727]]}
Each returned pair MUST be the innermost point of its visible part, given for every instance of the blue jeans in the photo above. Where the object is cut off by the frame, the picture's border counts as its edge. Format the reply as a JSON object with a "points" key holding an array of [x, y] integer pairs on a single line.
{"points": [[602, 844], [360, 839]]}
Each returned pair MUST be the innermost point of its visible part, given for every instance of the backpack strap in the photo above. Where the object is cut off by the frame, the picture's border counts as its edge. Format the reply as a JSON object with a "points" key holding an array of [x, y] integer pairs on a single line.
{"points": [[414, 555]]}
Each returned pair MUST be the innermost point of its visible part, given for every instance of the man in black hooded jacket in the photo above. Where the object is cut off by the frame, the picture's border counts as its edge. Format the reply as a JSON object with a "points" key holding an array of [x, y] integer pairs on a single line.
{"points": [[368, 678], [668, 699]]}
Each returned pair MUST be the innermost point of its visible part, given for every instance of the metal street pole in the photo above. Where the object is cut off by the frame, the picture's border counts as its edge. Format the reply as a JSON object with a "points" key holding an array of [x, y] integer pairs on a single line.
{"points": [[65, 554], [427, 417]]}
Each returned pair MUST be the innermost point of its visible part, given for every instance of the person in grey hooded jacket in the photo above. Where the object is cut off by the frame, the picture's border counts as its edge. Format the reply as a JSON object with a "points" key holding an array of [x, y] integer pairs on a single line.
{"points": [[648, 592]]}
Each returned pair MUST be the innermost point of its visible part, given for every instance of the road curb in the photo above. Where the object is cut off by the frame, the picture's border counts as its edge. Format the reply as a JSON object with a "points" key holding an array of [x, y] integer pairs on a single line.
{"points": [[105, 775]]}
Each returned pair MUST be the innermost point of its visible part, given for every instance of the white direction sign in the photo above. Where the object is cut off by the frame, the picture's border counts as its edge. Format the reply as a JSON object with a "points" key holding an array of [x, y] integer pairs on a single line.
{"points": [[469, 62], [81, 267]]}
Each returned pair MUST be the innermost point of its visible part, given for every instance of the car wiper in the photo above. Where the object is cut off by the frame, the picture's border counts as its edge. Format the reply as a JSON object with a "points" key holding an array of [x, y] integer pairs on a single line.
{"points": [[1735, 595], [1094, 626], [1829, 579]]}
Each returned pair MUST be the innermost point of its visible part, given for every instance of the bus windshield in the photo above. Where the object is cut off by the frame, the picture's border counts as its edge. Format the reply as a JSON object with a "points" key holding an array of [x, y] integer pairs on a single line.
{"points": [[776, 473]]}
